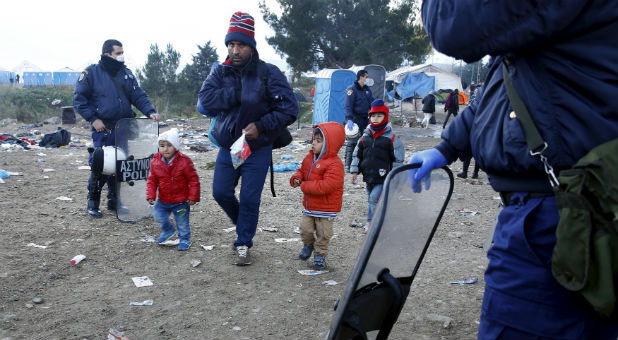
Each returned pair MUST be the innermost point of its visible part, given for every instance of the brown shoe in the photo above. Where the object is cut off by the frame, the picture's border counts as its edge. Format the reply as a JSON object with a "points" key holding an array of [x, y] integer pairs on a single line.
{"points": [[243, 257]]}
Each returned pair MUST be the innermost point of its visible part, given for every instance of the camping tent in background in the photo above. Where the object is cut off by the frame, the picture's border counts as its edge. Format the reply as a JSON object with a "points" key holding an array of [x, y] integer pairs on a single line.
{"points": [[37, 78], [65, 76], [443, 78], [415, 83], [378, 74], [330, 86]]}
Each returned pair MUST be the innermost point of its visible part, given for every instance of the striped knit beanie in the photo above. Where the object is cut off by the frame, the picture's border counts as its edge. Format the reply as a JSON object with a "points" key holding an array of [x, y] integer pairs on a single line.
{"points": [[241, 29]]}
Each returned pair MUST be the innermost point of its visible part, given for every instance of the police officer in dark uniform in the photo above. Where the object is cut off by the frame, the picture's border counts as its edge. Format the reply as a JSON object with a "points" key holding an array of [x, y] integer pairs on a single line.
{"points": [[356, 107], [103, 95]]}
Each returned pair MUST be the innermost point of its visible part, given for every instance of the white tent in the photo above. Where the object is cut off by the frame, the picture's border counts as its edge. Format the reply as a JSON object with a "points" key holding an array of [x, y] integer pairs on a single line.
{"points": [[26, 66], [444, 78]]}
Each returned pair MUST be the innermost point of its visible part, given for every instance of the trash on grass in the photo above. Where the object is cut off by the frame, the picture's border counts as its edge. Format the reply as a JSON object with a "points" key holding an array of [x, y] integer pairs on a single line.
{"points": [[207, 247], [116, 335], [78, 258], [286, 157], [466, 212], [329, 283], [48, 170], [195, 263], [311, 272], [143, 303], [35, 245], [147, 239], [141, 281], [284, 240], [64, 198], [83, 167], [228, 230], [271, 229], [357, 224], [469, 281]]}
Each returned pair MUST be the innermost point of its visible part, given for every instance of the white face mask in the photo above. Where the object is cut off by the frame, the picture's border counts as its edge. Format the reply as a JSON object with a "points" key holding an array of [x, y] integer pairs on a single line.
{"points": [[120, 58], [369, 82]]}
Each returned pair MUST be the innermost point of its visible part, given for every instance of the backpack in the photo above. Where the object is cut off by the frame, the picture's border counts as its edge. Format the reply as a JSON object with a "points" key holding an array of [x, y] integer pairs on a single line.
{"points": [[56, 139], [285, 137]]}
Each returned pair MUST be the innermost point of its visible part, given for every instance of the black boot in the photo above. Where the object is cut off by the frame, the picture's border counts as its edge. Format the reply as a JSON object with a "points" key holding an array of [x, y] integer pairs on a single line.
{"points": [[475, 175], [93, 205], [462, 175]]}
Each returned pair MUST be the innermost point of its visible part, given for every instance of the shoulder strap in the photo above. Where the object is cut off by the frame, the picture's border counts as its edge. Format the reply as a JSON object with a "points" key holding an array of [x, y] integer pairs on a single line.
{"points": [[120, 88], [533, 137]]}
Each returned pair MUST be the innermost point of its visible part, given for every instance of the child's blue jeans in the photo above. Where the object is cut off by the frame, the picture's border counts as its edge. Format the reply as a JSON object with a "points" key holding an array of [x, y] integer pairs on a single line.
{"points": [[373, 195], [181, 211]]}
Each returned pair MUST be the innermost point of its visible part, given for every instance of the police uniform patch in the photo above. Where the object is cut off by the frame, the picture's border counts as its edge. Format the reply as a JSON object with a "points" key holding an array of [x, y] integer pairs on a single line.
{"points": [[81, 77], [349, 92], [382, 172]]}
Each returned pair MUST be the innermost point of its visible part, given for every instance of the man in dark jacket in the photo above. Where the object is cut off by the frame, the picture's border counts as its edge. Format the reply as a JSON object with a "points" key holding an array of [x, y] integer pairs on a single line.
{"points": [[429, 107], [561, 57], [103, 95], [253, 98], [356, 107], [452, 106]]}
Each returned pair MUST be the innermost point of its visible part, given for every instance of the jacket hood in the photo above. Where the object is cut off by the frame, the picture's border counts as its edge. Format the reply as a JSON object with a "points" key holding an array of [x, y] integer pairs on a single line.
{"points": [[334, 137]]}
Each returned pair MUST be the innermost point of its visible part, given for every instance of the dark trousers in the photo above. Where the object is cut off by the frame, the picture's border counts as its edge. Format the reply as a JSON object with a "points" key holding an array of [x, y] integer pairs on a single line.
{"points": [[466, 165], [447, 117]]}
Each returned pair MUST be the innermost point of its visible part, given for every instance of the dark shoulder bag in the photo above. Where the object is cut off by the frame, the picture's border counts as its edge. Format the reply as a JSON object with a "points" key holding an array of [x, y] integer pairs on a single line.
{"points": [[585, 257]]}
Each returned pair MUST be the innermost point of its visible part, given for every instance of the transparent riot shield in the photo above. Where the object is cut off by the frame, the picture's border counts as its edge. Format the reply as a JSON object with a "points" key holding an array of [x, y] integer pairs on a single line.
{"points": [[398, 237], [136, 143]]}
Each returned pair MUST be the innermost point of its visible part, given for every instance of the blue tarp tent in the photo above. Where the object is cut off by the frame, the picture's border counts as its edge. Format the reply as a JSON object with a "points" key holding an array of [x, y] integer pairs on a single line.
{"points": [[5, 76], [38, 79], [65, 78], [412, 83], [330, 85]]}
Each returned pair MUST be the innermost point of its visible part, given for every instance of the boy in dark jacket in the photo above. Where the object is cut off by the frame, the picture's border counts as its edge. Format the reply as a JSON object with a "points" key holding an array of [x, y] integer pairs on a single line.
{"points": [[377, 153], [179, 188], [320, 178]]}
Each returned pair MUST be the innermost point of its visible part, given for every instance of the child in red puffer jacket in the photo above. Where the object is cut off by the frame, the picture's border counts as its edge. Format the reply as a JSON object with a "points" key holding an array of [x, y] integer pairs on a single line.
{"points": [[174, 175]]}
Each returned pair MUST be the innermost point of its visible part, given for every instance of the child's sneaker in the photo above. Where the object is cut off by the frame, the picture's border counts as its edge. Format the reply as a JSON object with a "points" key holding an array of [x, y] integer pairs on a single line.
{"points": [[184, 245], [305, 253], [165, 236], [319, 262], [243, 256]]}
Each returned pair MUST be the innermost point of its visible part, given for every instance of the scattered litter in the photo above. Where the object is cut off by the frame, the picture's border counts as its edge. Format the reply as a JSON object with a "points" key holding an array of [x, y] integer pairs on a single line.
{"points": [[466, 212], [4, 174], [195, 263], [236, 328], [35, 245], [41, 154], [116, 335], [41, 160], [64, 198], [77, 259], [208, 166], [284, 240], [147, 239], [287, 157], [311, 272], [171, 243], [469, 281], [38, 300], [229, 230], [14, 173], [207, 247], [48, 170], [143, 303], [300, 285], [290, 166], [83, 167], [357, 224], [329, 283], [291, 146], [271, 229], [456, 234], [496, 198], [141, 281]]}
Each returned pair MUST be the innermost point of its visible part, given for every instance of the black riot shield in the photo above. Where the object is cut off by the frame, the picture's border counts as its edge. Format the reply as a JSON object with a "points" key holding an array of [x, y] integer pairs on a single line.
{"points": [[136, 143], [399, 235]]}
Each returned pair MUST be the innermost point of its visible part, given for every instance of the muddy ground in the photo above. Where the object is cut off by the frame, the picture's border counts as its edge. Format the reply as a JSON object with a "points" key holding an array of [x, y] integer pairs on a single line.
{"points": [[216, 299]]}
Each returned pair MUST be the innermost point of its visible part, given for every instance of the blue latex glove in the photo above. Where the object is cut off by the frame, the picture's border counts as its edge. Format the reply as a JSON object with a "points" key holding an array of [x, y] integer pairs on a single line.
{"points": [[350, 124], [430, 159]]}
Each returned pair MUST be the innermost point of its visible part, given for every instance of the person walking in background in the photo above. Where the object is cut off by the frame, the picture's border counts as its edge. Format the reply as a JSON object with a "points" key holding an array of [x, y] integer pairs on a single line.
{"points": [[562, 63], [429, 107], [103, 95], [252, 98], [356, 104], [320, 178], [17, 79], [466, 166], [377, 153], [173, 176], [452, 106]]}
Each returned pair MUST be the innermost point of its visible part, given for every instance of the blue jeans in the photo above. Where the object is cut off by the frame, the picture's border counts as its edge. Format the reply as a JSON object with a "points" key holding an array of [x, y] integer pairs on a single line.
{"points": [[245, 210], [373, 195], [181, 212], [522, 299]]}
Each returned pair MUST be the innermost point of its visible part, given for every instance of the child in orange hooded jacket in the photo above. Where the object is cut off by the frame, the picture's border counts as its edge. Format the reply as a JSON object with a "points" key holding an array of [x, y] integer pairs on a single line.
{"points": [[320, 178]]}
